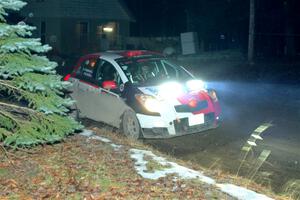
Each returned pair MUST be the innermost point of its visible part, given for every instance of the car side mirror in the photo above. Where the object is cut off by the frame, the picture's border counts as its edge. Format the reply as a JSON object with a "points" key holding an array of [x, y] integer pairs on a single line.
{"points": [[109, 85]]}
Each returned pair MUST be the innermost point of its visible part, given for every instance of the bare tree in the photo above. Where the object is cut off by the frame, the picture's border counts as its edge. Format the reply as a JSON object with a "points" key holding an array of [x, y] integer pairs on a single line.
{"points": [[289, 29], [251, 31]]}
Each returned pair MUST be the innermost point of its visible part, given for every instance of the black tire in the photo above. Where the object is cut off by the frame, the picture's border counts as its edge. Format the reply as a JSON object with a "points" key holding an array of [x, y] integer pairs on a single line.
{"points": [[74, 112], [130, 125]]}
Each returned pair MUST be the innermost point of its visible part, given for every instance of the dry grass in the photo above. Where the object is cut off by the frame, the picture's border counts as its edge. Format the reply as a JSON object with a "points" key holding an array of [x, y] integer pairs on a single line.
{"points": [[213, 171], [292, 188], [88, 169], [79, 168]]}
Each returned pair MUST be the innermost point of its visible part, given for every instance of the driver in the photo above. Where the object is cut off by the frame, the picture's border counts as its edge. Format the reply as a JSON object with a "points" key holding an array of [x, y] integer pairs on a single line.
{"points": [[145, 73]]}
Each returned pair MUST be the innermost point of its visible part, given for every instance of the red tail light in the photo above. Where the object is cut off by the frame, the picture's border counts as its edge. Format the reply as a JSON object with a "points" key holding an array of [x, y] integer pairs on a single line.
{"points": [[67, 77]]}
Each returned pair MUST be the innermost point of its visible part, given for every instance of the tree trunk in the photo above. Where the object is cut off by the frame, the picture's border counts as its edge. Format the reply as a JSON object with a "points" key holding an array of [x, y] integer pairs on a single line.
{"points": [[289, 50], [251, 32]]}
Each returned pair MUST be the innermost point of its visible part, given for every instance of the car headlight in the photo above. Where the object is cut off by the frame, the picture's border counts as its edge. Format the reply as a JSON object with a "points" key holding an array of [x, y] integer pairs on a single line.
{"points": [[149, 102], [170, 90], [195, 85]]}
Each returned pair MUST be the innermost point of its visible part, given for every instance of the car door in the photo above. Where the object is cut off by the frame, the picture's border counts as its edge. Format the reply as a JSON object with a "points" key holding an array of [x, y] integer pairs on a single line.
{"points": [[85, 86], [109, 106]]}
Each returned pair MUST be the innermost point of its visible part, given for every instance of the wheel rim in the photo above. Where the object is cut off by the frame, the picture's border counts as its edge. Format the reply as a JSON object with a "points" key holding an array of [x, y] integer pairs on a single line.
{"points": [[133, 127]]}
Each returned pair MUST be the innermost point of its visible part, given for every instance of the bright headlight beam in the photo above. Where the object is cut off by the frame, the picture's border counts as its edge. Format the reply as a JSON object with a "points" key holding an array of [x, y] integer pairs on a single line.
{"points": [[170, 90], [195, 85], [152, 105], [149, 102]]}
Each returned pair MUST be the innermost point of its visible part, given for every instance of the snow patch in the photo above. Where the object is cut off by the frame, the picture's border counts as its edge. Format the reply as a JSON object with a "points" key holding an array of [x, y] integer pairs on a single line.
{"points": [[180, 171], [242, 193], [91, 136], [102, 139], [186, 173], [86, 133], [116, 146], [171, 168]]}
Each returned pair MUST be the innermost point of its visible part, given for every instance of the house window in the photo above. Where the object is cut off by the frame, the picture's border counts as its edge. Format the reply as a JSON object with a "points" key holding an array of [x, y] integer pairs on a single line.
{"points": [[83, 34], [43, 32]]}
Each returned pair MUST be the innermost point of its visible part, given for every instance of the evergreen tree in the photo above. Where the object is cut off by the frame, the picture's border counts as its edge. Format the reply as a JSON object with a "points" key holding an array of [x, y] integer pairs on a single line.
{"points": [[32, 104]]}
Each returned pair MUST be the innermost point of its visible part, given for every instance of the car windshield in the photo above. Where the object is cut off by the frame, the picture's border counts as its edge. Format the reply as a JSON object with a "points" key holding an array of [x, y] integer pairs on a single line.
{"points": [[149, 71]]}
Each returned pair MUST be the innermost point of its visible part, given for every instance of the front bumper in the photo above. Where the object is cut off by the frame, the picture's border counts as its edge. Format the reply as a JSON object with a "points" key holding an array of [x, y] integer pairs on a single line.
{"points": [[178, 117], [157, 127]]}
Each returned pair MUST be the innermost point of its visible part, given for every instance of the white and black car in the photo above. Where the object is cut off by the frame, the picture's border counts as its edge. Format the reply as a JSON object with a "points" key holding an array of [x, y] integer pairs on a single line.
{"points": [[142, 93]]}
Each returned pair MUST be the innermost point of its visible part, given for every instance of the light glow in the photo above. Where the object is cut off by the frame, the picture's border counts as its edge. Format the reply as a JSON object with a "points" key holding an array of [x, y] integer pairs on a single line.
{"points": [[108, 29], [171, 90], [149, 102], [195, 85], [152, 105]]}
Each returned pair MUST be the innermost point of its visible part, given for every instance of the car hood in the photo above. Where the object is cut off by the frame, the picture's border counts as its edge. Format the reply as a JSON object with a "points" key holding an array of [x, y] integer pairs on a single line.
{"points": [[150, 90]]}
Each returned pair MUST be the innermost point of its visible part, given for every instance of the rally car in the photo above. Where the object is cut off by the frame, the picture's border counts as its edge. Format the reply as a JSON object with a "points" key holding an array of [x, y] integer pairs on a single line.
{"points": [[142, 93]]}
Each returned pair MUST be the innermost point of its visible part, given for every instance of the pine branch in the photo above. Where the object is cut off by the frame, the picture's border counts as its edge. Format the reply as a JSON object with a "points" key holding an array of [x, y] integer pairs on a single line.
{"points": [[19, 107], [3, 83], [6, 155], [10, 117], [33, 110]]}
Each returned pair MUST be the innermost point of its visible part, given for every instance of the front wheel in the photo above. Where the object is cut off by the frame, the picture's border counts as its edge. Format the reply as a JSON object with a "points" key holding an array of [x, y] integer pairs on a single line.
{"points": [[130, 125]]}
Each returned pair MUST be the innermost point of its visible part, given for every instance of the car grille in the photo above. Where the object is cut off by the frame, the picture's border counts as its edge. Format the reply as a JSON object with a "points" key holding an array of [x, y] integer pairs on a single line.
{"points": [[186, 108], [183, 127]]}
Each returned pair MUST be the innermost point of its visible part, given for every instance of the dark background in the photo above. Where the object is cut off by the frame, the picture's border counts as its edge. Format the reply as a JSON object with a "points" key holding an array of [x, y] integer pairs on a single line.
{"points": [[277, 21]]}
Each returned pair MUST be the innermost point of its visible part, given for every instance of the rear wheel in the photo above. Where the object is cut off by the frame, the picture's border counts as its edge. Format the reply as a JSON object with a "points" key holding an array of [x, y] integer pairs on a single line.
{"points": [[130, 125]]}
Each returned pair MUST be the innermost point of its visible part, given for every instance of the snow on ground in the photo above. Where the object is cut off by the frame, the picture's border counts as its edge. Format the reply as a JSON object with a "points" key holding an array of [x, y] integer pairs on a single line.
{"points": [[241, 193], [91, 136], [102, 139], [170, 167], [179, 171], [87, 133]]}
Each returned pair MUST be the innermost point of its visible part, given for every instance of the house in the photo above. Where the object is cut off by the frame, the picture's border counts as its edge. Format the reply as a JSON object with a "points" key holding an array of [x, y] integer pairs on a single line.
{"points": [[79, 26]]}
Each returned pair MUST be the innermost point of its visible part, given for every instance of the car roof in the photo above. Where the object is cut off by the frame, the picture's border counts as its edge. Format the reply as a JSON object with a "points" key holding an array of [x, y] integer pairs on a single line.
{"points": [[124, 53]]}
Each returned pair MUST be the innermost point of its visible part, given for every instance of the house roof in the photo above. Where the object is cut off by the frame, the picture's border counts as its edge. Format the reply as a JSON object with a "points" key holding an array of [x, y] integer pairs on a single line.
{"points": [[97, 9]]}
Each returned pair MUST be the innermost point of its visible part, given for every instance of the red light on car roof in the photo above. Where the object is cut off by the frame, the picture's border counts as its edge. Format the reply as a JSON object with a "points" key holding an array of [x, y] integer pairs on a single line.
{"points": [[133, 53]]}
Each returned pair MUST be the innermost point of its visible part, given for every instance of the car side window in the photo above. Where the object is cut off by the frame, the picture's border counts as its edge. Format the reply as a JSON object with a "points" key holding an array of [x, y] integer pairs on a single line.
{"points": [[107, 72], [87, 70]]}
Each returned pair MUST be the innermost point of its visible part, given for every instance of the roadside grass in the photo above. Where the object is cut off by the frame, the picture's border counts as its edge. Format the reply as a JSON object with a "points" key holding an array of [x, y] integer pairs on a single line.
{"points": [[250, 181], [250, 163], [292, 188], [82, 168], [250, 173], [153, 165]]}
